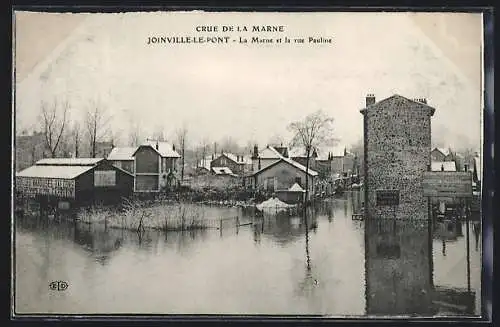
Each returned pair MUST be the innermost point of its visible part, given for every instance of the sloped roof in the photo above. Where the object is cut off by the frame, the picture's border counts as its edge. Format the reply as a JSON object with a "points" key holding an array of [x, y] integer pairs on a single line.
{"points": [[397, 97], [46, 171], [444, 151], [223, 171], [122, 153], [300, 153], [296, 188], [237, 158], [164, 149], [290, 162], [270, 153], [69, 161], [446, 165]]}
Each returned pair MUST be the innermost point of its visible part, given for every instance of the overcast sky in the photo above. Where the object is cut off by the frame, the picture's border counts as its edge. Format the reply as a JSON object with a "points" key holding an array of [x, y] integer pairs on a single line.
{"points": [[251, 92]]}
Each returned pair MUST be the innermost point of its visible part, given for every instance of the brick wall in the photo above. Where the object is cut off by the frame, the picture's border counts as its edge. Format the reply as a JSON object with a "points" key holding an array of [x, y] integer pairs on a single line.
{"points": [[397, 135]]}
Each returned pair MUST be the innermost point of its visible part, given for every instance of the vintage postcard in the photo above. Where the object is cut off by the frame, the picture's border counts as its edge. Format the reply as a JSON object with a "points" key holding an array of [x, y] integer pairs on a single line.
{"points": [[324, 164]]}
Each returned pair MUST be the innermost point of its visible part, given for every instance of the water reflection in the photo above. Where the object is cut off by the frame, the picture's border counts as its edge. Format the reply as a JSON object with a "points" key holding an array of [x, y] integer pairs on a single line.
{"points": [[283, 229], [323, 262], [398, 261]]}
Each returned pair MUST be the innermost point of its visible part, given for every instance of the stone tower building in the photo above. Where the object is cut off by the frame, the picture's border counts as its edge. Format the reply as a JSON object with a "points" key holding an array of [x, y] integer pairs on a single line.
{"points": [[398, 240], [397, 145]]}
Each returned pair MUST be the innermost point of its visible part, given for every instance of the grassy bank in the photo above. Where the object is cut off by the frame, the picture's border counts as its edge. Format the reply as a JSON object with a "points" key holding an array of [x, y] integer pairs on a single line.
{"points": [[136, 215]]}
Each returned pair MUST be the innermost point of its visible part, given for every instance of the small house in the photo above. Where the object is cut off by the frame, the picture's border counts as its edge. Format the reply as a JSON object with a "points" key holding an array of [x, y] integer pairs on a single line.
{"points": [[238, 164], [295, 194], [75, 180], [155, 166], [441, 154], [282, 175]]}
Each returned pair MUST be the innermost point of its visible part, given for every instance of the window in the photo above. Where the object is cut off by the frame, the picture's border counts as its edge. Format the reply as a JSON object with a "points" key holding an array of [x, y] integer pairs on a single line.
{"points": [[104, 178], [270, 183]]}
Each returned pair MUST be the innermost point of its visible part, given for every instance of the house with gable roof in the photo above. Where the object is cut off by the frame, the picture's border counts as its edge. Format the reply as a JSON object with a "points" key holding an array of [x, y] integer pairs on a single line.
{"points": [[281, 176], [153, 163], [234, 163], [441, 154]]}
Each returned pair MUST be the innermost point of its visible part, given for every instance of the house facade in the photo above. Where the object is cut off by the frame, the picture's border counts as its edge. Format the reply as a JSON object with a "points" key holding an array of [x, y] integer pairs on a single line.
{"points": [[397, 151], [237, 164], [75, 180], [153, 164], [282, 175], [441, 154]]}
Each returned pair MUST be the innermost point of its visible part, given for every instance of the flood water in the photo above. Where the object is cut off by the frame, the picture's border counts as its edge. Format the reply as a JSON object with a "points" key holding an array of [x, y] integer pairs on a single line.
{"points": [[272, 265]]}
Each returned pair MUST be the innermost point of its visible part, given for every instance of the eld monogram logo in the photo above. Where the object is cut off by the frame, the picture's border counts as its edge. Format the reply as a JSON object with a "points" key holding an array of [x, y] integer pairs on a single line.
{"points": [[58, 285]]}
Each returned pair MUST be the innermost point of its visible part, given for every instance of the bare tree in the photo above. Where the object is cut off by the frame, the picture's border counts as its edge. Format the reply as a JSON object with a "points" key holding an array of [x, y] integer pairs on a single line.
{"points": [[54, 120], [76, 133], [159, 134], [277, 140], [228, 144], [96, 123], [203, 149], [181, 141], [135, 136], [315, 130]]}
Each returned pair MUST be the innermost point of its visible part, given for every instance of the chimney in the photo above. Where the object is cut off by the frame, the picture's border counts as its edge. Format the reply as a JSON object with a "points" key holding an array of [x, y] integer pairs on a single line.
{"points": [[370, 99], [173, 147], [255, 152], [156, 145]]}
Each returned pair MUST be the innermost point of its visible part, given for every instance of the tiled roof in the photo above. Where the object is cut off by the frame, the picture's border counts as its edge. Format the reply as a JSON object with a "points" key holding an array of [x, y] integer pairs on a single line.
{"points": [[443, 165], [62, 172], [122, 153], [69, 161]]}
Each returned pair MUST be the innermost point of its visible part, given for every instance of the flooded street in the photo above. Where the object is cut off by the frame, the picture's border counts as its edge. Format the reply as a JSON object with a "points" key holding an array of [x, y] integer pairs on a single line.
{"points": [[276, 265]]}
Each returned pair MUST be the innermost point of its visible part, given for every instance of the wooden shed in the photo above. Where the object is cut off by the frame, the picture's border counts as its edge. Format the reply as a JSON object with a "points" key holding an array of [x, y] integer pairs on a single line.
{"points": [[77, 181]]}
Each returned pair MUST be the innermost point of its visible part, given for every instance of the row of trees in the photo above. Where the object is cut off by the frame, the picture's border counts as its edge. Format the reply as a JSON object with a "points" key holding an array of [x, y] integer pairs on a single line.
{"points": [[63, 137]]}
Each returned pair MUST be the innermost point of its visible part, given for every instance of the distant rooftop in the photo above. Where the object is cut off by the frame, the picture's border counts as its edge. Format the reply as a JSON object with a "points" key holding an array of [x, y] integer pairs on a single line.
{"points": [[122, 153], [55, 171], [68, 161], [164, 149]]}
